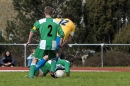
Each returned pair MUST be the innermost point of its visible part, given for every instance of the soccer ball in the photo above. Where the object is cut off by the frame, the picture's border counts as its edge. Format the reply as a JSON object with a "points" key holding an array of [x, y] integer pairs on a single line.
{"points": [[59, 73]]}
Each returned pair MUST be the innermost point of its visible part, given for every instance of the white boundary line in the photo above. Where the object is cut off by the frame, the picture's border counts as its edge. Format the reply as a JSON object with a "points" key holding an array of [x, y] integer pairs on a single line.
{"points": [[70, 70], [14, 70]]}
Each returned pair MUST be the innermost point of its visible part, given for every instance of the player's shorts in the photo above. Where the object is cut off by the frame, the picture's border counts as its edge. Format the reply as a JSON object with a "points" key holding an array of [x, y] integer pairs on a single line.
{"points": [[57, 42], [39, 53]]}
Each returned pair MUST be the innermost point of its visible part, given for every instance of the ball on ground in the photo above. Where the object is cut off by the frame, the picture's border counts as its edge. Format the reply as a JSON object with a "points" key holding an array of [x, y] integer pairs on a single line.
{"points": [[59, 73]]}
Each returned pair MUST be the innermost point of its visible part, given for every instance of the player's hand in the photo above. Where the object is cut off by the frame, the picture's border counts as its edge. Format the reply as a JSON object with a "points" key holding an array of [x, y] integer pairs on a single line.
{"points": [[60, 46], [27, 43], [8, 63]]}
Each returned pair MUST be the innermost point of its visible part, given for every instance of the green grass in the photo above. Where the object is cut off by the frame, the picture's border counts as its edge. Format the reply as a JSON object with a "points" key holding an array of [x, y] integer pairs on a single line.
{"points": [[76, 79]]}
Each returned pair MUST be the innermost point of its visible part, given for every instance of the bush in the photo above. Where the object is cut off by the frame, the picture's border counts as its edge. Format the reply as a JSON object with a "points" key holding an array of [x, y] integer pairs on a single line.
{"points": [[110, 58]]}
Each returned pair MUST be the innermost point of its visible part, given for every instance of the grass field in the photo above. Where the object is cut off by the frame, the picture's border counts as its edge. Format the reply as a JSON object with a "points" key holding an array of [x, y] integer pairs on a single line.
{"points": [[76, 79]]}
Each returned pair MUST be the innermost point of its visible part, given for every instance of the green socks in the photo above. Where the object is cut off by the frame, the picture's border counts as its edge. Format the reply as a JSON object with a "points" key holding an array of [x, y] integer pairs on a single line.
{"points": [[53, 66], [31, 71]]}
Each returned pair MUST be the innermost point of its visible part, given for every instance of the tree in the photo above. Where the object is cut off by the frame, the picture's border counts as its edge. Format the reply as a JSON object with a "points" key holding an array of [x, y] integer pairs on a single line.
{"points": [[103, 19], [2, 40], [123, 38], [28, 11]]}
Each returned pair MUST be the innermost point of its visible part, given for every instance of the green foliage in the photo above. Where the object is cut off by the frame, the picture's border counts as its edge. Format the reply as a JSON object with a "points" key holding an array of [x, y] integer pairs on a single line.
{"points": [[111, 58], [123, 37], [2, 40], [30, 11], [102, 19]]}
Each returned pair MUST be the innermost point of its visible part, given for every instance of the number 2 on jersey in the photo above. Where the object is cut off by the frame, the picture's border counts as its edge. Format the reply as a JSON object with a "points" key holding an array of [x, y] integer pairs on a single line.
{"points": [[49, 33], [64, 22]]}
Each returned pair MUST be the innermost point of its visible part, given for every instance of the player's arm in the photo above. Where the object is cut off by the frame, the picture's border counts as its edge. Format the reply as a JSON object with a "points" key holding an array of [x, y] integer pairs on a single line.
{"points": [[69, 39], [61, 42], [67, 68], [61, 33], [35, 27], [29, 38]]}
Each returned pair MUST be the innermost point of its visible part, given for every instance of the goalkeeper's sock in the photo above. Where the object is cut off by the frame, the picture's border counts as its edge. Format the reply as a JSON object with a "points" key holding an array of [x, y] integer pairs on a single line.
{"points": [[40, 64], [32, 70]]}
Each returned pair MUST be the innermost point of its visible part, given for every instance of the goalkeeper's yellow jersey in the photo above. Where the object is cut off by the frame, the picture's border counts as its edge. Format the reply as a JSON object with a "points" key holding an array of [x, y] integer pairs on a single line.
{"points": [[67, 26]]}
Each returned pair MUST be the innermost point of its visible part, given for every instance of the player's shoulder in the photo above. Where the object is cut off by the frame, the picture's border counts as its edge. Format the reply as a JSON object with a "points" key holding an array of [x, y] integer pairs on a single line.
{"points": [[56, 20], [42, 20], [71, 23]]}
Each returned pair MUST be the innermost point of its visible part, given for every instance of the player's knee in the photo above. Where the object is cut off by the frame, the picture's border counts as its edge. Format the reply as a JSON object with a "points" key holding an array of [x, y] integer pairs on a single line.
{"points": [[45, 57], [34, 61]]}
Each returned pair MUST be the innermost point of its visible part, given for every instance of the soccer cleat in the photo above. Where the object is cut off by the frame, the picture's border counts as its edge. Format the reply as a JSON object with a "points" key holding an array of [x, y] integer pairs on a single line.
{"points": [[27, 76], [67, 75]]}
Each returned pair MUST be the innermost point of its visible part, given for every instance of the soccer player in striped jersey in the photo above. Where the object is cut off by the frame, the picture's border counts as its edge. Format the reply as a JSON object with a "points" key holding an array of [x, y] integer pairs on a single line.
{"points": [[68, 27], [48, 28]]}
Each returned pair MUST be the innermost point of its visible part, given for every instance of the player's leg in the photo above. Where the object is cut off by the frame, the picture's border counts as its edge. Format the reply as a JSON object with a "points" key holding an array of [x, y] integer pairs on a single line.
{"points": [[53, 68], [37, 55], [57, 42], [41, 62], [29, 62], [52, 55], [46, 68], [32, 68], [43, 70], [57, 47]]}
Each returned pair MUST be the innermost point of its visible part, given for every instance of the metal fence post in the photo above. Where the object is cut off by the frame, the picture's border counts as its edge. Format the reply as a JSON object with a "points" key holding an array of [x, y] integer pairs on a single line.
{"points": [[102, 55], [24, 55]]}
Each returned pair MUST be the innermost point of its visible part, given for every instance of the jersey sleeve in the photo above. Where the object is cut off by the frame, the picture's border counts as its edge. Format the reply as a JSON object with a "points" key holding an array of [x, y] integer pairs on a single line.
{"points": [[73, 30], [35, 27], [60, 32]]}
